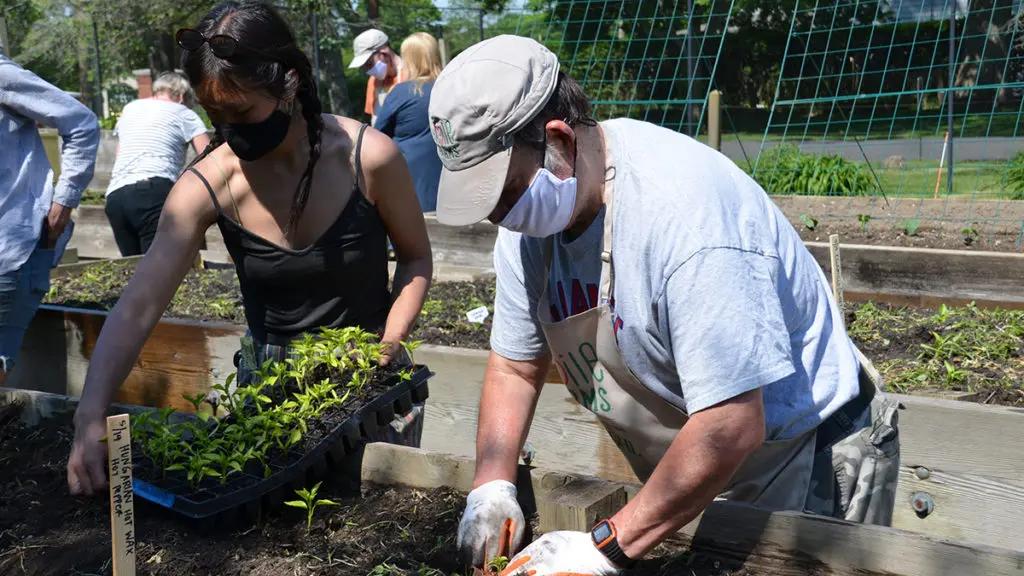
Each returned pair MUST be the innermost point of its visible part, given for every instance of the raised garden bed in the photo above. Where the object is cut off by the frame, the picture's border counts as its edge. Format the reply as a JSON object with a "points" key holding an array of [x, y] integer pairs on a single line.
{"points": [[985, 361], [966, 351], [213, 295], [403, 518]]}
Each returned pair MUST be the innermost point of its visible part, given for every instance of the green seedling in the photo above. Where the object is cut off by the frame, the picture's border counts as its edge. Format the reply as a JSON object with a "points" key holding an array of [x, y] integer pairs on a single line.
{"points": [[809, 221], [496, 565], [910, 226], [969, 235], [309, 502], [266, 415], [863, 219]]}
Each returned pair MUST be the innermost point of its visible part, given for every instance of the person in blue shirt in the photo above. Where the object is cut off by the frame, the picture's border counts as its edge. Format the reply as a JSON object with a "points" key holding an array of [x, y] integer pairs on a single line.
{"points": [[404, 115], [33, 213]]}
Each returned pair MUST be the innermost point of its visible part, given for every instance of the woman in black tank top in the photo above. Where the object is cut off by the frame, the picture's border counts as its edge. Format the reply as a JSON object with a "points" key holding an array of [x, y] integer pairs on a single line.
{"points": [[305, 202]]}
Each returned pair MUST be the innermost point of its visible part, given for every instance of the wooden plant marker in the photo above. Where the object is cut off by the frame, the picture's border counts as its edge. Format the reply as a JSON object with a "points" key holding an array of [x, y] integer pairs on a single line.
{"points": [[837, 274], [122, 495]]}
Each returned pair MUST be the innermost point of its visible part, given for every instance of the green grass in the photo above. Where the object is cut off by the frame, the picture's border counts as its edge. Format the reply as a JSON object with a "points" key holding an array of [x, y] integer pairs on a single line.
{"points": [[870, 124], [984, 180], [93, 198], [918, 178]]}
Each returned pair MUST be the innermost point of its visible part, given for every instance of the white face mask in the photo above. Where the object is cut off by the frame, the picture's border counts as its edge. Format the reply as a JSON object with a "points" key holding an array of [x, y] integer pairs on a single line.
{"points": [[378, 70], [545, 208]]}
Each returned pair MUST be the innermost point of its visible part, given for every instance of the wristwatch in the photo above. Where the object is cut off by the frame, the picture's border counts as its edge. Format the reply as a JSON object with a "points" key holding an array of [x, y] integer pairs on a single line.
{"points": [[606, 540]]}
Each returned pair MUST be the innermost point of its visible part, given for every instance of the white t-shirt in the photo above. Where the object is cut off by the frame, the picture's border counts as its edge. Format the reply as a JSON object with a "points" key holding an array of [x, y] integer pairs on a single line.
{"points": [[715, 293], [153, 137]]}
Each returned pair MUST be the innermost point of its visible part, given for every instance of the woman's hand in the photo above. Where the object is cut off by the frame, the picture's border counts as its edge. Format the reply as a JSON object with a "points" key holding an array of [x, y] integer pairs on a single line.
{"points": [[392, 349], [87, 466]]}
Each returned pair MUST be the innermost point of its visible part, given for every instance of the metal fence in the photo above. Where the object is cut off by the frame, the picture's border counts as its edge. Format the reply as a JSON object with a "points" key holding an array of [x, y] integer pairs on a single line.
{"points": [[653, 61], [903, 112]]}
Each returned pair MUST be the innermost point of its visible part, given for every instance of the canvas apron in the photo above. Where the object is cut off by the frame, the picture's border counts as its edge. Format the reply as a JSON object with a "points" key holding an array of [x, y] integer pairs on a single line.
{"points": [[641, 423]]}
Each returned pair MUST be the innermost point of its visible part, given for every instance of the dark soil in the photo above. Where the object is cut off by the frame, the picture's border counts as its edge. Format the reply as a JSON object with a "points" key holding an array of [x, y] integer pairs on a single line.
{"points": [[213, 295], [377, 530], [976, 354], [949, 237]]}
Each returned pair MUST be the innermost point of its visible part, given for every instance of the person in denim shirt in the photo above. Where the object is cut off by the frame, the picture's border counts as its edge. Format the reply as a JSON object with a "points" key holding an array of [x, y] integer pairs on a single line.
{"points": [[34, 213]]}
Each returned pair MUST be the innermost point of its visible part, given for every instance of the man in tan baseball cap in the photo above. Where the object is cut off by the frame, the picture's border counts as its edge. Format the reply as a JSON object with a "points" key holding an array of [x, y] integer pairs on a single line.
{"points": [[678, 304], [374, 56]]}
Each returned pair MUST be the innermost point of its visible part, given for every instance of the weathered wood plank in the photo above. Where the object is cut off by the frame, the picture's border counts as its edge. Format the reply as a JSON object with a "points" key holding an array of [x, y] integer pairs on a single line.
{"points": [[737, 529], [178, 357], [917, 272], [579, 505], [961, 437], [966, 507], [844, 547]]}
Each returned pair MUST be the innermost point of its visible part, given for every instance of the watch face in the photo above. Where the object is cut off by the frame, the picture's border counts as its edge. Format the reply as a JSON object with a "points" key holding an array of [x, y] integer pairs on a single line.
{"points": [[601, 533]]}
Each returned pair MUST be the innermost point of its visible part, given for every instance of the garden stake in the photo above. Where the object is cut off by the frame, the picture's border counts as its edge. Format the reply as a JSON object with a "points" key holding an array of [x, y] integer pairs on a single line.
{"points": [[837, 275], [122, 496]]}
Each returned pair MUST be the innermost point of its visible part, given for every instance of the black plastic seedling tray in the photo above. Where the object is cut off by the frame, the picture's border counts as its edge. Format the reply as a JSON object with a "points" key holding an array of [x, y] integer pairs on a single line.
{"points": [[247, 490]]}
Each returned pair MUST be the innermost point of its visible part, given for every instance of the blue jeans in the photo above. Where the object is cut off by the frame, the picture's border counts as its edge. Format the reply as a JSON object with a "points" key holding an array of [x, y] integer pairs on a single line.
{"points": [[21, 291]]}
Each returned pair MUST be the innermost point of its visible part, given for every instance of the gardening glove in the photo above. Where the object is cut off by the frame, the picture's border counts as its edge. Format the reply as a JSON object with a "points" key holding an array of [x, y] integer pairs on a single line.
{"points": [[87, 465], [559, 554], [492, 524]]}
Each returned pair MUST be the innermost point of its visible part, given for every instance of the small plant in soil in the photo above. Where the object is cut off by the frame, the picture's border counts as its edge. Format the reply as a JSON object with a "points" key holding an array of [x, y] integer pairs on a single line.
{"points": [[969, 235], [910, 226], [496, 565], [863, 219], [309, 502], [809, 221]]}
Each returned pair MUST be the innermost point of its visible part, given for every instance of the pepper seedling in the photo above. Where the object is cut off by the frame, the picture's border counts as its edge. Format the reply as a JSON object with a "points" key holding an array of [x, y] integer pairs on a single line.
{"points": [[309, 502], [497, 564]]}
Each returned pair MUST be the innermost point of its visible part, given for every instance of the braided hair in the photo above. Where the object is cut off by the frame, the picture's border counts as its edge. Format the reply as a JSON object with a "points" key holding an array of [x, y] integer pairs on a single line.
{"points": [[266, 52]]}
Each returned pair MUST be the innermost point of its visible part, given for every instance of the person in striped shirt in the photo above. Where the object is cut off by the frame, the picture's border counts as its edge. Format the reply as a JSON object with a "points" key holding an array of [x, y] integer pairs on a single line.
{"points": [[153, 135]]}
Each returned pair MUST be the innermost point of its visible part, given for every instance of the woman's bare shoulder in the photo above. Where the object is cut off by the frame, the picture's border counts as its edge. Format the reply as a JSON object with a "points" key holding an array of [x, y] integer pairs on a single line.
{"points": [[213, 171]]}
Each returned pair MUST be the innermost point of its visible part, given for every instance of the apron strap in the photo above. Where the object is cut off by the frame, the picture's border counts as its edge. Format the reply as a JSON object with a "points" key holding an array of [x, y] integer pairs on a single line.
{"points": [[607, 268]]}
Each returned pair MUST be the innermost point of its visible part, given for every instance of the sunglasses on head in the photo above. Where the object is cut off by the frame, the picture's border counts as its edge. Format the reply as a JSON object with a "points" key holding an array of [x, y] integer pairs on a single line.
{"points": [[222, 45]]}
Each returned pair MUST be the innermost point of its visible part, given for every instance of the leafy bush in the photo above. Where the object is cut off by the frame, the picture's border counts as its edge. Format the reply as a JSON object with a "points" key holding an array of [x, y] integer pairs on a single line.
{"points": [[787, 170], [1015, 176]]}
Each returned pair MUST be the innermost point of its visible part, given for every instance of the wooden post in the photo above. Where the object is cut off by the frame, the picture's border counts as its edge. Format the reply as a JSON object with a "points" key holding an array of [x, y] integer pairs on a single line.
{"points": [[5, 40], [122, 495], [715, 119], [837, 274], [942, 160], [442, 45]]}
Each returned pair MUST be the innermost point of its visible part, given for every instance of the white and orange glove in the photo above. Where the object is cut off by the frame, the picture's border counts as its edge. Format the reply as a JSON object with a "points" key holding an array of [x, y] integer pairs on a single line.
{"points": [[561, 553], [492, 524]]}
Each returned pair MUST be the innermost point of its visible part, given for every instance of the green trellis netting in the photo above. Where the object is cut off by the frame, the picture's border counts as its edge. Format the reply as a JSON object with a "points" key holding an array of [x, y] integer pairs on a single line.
{"points": [[637, 58], [869, 92]]}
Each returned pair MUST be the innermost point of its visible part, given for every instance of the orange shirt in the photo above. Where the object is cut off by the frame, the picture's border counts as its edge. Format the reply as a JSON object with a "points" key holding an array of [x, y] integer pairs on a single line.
{"points": [[373, 87]]}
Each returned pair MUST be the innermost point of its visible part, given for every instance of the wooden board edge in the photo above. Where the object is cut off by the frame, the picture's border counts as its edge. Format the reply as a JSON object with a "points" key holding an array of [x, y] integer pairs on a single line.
{"points": [[736, 528]]}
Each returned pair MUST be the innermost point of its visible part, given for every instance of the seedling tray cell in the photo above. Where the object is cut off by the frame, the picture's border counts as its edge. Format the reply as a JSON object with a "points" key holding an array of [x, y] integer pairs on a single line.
{"points": [[245, 492]]}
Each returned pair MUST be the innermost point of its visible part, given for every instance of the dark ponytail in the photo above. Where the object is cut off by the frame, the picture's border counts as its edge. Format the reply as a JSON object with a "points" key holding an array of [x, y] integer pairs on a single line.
{"points": [[311, 112], [266, 52]]}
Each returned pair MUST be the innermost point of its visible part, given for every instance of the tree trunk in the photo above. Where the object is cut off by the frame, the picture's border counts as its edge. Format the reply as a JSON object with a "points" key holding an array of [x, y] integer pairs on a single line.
{"points": [[334, 83]]}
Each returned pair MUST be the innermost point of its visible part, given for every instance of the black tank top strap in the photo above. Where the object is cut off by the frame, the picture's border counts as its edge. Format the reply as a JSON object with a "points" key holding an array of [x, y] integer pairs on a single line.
{"points": [[208, 189], [359, 163]]}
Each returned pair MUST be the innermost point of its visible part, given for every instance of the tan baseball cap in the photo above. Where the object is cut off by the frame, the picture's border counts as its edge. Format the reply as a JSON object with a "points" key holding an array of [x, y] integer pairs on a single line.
{"points": [[365, 45], [481, 98]]}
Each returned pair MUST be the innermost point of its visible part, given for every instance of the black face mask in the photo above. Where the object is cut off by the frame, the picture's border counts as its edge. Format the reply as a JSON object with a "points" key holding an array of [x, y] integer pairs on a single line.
{"points": [[254, 140]]}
